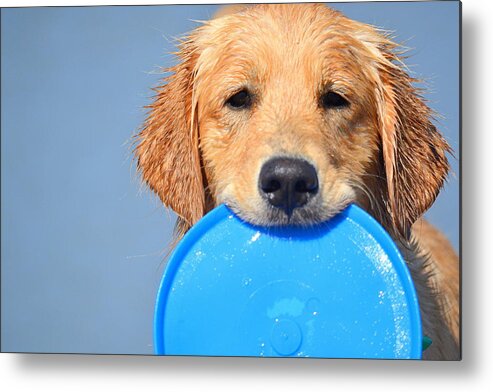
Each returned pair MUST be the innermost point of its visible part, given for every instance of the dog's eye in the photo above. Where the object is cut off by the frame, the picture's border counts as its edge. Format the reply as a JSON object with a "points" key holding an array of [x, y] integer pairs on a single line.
{"points": [[333, 100], [240, 100]]}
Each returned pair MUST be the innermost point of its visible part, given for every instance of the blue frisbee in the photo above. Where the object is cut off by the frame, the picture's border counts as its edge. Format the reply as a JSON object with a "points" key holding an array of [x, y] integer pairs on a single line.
{"points": [[335, 290]]}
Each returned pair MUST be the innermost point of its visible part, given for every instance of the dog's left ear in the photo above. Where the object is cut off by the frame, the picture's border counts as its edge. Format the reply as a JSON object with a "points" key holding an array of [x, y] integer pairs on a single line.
{"points": [[412, 148]]}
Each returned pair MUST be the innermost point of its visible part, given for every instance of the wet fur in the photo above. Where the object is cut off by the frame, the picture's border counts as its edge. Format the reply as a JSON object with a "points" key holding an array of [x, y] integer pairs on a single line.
{"points": [[383, 152]]}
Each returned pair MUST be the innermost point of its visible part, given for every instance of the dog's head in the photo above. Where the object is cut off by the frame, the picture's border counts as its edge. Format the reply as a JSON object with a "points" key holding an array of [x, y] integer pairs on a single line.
{"points": [[288, 113]]}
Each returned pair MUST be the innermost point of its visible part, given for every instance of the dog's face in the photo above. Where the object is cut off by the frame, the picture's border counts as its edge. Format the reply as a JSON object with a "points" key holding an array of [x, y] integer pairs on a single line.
{"points": [[284, 124], [288, 113]]}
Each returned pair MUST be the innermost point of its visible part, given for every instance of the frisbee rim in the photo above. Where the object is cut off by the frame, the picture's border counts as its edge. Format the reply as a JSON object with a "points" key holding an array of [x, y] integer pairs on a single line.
{"points": [[352, 212]]}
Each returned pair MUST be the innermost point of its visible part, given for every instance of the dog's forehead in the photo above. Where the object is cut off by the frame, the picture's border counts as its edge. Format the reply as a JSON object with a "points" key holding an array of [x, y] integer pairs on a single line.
{"points": [[275, 25], [281, 37]]}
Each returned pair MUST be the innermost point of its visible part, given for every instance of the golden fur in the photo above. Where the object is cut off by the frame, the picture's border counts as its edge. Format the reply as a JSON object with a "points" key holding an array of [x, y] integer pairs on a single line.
{"points": [[381, 151]]}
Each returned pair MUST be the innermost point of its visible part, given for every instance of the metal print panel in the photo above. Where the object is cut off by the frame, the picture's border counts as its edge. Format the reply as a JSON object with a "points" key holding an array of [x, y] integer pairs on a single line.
{"points": [[122, 127]]}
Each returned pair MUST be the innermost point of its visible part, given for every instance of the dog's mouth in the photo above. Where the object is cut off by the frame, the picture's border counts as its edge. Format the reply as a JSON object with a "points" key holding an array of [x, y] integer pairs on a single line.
{"points": [[266, 215], [289, 194]]}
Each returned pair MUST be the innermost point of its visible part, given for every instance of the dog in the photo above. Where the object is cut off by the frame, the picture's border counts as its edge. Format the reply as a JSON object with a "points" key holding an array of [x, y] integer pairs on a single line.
{"points": [[287, 113]]}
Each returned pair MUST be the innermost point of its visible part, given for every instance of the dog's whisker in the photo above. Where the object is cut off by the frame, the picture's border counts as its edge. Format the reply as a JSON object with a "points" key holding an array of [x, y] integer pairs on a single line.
{"points": [[373, 175]]}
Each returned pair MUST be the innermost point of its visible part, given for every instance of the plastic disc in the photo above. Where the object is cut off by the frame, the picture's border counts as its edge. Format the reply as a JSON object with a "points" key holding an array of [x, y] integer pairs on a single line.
{"points": [[336, 290]]}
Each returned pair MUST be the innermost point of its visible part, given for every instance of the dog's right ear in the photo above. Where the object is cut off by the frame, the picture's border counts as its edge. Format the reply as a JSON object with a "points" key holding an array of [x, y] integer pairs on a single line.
{"points": [[167, 148]]}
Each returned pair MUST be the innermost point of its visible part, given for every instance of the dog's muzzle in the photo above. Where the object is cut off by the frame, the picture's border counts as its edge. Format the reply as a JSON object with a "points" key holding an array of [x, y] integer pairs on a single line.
{"points": [[288, 183]]}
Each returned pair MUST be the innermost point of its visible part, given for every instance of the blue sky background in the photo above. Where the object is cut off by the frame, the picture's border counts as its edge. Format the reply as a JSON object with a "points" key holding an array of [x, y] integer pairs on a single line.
{"points": [[83, 244]]}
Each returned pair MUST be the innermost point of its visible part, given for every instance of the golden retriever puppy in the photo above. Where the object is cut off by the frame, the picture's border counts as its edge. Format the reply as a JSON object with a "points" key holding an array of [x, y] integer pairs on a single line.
{"points": [[289, 112]]}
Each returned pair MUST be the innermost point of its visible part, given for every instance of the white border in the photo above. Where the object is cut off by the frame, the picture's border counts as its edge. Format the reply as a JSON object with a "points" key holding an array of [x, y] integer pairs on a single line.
{"points": [[30, 3], [134, 373]]}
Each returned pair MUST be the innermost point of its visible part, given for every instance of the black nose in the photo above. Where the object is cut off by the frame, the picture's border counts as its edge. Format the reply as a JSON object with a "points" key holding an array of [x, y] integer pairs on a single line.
{"points": [[288, 183]]}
